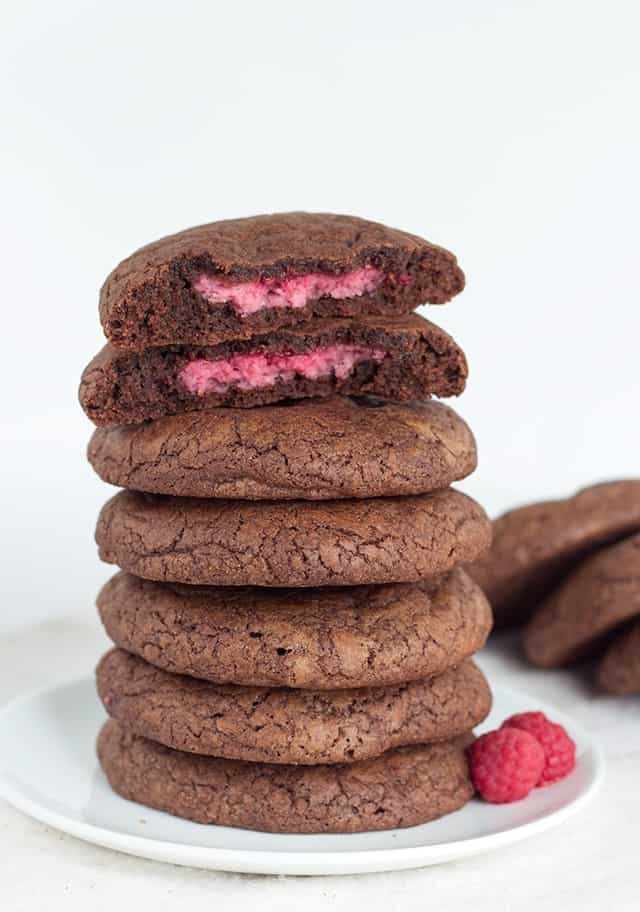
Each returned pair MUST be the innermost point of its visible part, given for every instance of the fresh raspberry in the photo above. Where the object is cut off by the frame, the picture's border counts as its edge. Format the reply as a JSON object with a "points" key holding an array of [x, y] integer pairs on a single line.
{"points": [[505, 764], [559, 749]]}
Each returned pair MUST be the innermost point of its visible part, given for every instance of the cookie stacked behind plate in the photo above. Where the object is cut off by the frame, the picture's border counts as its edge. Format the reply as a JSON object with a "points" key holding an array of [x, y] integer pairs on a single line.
{"points": [[569, 570], [293, 630]]}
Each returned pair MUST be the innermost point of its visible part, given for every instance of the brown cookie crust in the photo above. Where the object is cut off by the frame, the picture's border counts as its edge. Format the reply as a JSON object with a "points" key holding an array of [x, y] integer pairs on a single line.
{"points": [[601, 594], [619, 669], [148, 300], [291, 543], [312, 449], [321, 639], [421, 360], [404, 787], [536, 545], [280, 725]]}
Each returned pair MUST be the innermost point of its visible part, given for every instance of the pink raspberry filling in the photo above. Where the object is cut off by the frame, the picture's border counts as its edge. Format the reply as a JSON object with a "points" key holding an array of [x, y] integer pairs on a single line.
{"points": [[296, 291], [260, 369]]}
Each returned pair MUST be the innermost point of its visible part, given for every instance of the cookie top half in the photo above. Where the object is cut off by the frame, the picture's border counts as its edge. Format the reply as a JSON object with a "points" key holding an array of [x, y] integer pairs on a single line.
{"points": [[231, 279], [309, 449]]}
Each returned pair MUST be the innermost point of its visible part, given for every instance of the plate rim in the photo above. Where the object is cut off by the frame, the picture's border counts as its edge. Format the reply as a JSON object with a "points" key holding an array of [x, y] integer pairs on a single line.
{"points": [[307, 862]]}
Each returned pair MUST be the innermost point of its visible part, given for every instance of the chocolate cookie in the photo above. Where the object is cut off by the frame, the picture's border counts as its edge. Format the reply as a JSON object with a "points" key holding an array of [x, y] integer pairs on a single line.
{"points": [[601, 594], [238, 278], [314, 449], [405, 358], [291, 542], [619, 669], [280, 725], [353, 636], [402, 788], [535, 546]]}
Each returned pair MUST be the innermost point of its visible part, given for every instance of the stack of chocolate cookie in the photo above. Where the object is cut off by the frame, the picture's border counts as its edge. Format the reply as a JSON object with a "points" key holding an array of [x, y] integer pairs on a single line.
{"points": [[293, 628]]}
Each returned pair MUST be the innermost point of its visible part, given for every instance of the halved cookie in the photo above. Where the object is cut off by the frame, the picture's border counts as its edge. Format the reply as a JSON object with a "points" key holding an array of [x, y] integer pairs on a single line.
{"points": [[405, 358], [242, 277]]}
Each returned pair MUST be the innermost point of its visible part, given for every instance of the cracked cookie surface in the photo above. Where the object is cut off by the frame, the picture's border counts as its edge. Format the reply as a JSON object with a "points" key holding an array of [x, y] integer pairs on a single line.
{"points": [[149, 299], [310, 449], [601, 594], [291, 543], [536, 545], [328, 638], [281, 725], [404, 787]]}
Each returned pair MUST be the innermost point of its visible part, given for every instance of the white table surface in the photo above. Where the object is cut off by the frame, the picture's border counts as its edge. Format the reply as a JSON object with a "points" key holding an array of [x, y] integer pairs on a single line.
{"points": [[590, 863]]}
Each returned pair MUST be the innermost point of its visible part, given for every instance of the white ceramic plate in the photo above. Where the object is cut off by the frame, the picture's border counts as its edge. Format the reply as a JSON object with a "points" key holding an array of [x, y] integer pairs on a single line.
{"points": [[48, 770]]}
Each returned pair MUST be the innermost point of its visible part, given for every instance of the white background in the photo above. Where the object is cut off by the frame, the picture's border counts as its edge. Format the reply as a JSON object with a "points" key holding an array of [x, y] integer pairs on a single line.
{"points": [[505, 131]]}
